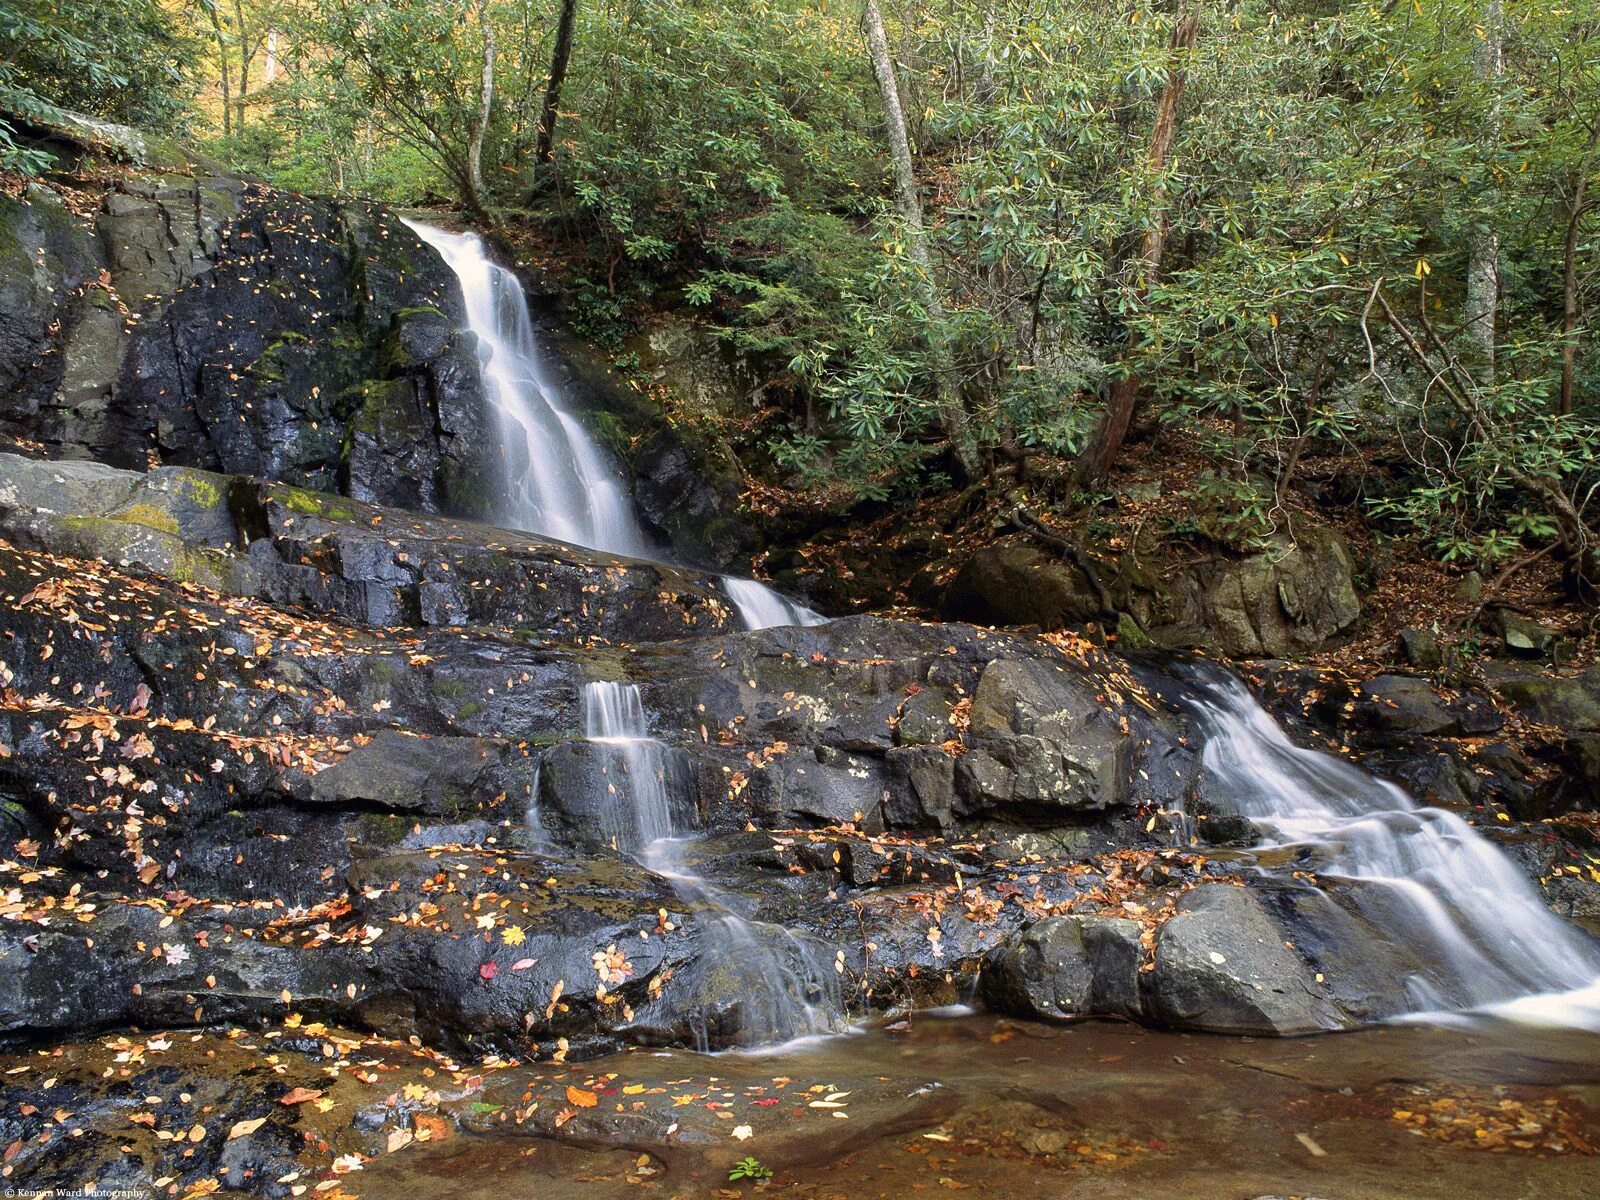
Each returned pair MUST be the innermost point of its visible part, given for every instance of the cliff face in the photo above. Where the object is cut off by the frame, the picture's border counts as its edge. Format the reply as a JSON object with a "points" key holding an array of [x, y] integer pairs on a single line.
{"points": [[208, 322]]}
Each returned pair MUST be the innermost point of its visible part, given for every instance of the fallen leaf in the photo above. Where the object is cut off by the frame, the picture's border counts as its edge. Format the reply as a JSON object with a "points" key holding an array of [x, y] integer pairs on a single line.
{"points": [[245, 1128]]}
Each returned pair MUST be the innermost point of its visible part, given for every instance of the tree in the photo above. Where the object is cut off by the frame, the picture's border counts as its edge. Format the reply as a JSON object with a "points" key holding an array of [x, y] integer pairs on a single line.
{"points": [[559, 57], [1097, 459], [1483, 264], [952, 411], [427, 73]]}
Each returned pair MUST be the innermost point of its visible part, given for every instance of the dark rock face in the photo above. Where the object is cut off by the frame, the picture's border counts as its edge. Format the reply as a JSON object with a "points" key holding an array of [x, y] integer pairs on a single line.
{"points": [[1278, 603], [204, 322], [344, 558]]}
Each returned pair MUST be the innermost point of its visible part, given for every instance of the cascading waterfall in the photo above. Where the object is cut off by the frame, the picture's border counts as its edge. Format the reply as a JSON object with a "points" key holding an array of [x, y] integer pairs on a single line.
{"points": [[560, 483], [785, 985], [761, 608], [1426, 877]]}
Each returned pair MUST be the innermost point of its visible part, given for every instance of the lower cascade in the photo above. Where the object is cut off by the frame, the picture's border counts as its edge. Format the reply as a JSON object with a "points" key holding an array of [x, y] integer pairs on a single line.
{"points": [[761, 984], [1424, 879], [560, 483]]}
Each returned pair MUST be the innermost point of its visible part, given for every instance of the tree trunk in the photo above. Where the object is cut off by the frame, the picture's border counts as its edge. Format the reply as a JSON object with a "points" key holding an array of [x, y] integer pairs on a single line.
{"points": [[222, 66], [480, 121], [1577, 202], [1101, 453], [952, 414], [1483, 263], [245, 51], [545, 152]]}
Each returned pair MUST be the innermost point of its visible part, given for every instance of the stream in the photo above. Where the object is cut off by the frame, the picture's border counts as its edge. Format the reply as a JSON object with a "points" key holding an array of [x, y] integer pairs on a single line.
{"points": [[955, 1101]]}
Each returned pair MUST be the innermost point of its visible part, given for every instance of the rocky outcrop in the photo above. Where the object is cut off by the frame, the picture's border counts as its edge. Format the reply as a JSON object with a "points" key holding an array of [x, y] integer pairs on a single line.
{"points": [[343, 558], [1280, 602], [202, 321]]}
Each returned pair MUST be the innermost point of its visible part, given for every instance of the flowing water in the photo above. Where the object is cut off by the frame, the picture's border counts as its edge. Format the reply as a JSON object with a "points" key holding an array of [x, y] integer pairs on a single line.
{"points": [[559, 482], [1426, 878], [777, 985]]}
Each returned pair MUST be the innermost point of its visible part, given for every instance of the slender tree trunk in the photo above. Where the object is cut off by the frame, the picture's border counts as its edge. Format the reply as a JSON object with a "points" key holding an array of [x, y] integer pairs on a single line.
{"points": [[1483, 263], [480, 121], [222, 66], [1103, 448], [952, 413], [245, 52], [1577, 202], [559, 58]]}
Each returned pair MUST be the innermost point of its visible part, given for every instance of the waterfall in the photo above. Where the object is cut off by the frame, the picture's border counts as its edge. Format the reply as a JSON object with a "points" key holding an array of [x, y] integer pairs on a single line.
{"points": [[559, 482], [784, 985], [761, 607], [1426, 878]]}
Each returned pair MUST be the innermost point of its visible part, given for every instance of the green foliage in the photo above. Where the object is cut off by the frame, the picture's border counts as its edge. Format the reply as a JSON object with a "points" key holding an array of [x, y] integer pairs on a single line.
{"points": [[1334, 174], [118, 60], [749, 1168]]}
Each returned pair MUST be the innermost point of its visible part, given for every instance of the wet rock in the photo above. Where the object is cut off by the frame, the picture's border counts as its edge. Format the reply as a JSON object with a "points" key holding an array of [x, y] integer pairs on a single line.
{"points": [[1274, 604], [1570, 702], [339, 365], [1017, 583], [1420, 648], [924, 791], [439, 776], [1066, 968], [1041, 742], [1221, 965], [1405, 704], [46, 255], [340, 557], [1520, 636]]}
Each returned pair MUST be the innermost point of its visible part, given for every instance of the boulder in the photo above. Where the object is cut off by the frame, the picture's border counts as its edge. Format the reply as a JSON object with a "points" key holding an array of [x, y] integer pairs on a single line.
{"points": [[1067, 968], [1280, 602], [1041, 743], [1568, 702], [1015, 582], [366, 564], [1222, 965]]}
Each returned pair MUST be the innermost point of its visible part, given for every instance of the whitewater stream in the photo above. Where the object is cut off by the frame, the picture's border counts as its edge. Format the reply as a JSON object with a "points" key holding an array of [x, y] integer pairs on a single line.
{"points": [[1422, 876], [786, 984]]}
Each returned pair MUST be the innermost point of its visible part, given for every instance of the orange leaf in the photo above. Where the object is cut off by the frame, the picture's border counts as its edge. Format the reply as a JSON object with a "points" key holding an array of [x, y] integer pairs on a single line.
{"points": [[299, 1095], [581, 1098]]}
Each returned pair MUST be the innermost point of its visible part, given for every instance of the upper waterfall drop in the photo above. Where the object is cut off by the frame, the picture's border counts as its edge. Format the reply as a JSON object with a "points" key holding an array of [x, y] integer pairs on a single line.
{"points": [[559, 482]]}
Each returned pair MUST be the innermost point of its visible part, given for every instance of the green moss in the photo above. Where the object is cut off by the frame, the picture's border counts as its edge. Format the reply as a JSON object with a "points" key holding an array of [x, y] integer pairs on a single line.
{"points": [[1130, 636], [313, 504], [452, 689], [201, 488], [147, 515], [469, 710], [116, 538], [381, 829]]}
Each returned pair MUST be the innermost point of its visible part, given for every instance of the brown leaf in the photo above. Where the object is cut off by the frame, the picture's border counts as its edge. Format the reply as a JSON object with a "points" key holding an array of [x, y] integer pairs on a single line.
{"points": [[299, 1095], [245, 1128]]}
